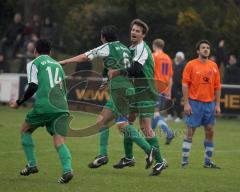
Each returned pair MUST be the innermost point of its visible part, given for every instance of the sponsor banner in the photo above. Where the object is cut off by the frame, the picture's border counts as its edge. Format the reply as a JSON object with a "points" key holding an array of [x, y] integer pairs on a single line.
{"points": [[230, 100], [86, 94]]}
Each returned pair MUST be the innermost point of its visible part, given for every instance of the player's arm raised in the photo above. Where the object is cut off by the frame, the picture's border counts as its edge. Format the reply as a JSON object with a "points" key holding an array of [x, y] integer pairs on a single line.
{"points": [[77, 59]]}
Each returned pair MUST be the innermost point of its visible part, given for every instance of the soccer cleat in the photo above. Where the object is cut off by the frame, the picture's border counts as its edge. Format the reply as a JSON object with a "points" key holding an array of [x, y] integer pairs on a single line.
{"points": [[177, 120], [65, 178], [211, 165], [124, 162], [165, 163], [169, 140], [150, 157], [184, 164], [98, 161], [157, 169], [29, 170]]}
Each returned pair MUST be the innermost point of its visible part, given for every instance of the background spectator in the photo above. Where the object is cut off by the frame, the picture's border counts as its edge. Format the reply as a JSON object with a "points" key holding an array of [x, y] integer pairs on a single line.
{"points": [[232, 71], [26, 57], [4, 65], [178, 66], [12, 37], [36, 25], [47, 29]]}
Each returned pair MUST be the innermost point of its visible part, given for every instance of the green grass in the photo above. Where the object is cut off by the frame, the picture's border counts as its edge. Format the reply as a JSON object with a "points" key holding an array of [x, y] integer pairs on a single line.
{"points": [[192, 179]]}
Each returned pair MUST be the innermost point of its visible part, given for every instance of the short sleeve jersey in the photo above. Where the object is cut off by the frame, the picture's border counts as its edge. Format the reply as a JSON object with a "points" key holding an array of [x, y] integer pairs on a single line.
{"points": [[162, 70], [202, 79], [51, 93], [115, 55], [141, 53]]}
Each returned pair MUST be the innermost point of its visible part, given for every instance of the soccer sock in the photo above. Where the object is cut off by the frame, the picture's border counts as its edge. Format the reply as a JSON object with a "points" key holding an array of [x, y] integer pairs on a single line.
{"points": [[209, 147], [128, 147], [28, 147], [155, 121], [154, 142], [65, 158], [186, 147], [104, 135], [165, 127], [131, 132]]}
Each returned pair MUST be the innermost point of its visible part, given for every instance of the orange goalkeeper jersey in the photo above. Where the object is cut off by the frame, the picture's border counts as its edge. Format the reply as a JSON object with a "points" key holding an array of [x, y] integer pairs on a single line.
{"points": [[162, 70], [202, 79]]}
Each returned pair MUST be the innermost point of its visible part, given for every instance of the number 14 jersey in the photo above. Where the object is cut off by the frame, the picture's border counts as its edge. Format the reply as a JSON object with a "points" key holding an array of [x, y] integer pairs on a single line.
{"points": [[50, 78]]}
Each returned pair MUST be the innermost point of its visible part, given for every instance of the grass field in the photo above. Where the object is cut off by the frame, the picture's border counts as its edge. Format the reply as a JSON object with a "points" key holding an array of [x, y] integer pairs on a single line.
{"points": [[192, 179]]}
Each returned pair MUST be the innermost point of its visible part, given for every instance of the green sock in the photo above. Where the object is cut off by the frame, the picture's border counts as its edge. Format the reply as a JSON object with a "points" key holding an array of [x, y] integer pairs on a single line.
{"points": [[28, 147], [104, 135], [128, 147], [154, 142], [65, 158], [132, 133]]}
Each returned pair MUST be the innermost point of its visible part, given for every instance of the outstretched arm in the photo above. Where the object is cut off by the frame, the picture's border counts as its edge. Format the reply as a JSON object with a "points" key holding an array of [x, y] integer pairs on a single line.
{"points": [[77, 59]]}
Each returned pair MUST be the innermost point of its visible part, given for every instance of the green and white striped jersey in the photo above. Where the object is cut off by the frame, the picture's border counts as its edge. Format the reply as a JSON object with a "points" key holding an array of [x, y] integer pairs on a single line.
{"points": [[50, 78]]}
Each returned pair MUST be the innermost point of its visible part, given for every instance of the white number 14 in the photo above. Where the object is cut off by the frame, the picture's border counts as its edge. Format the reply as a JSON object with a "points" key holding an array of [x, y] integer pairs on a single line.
{"points": [[56, 80]]}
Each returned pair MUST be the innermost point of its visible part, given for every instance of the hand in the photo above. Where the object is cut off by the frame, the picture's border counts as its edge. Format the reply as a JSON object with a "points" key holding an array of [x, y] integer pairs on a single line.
{"points": [[187, 108], [103, 85], [13, 104], [217, 109], [62, 62], [112, 73], [168, 95], [221, 43]]}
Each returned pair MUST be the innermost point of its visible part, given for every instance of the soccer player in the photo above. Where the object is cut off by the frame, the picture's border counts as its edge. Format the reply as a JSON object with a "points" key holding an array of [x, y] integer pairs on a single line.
{"points": [[201, 91], [142, 72], [116, 57], [46, 79], [163, 75]]}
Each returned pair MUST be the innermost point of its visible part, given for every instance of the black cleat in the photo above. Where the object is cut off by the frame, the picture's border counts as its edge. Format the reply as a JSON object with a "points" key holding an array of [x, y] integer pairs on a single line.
{"points": [[169, 140], [65, 178], [211, 165], [124, 162], [98, 161], [184, 164], [157, 169], [29, 170], [150, 157]]}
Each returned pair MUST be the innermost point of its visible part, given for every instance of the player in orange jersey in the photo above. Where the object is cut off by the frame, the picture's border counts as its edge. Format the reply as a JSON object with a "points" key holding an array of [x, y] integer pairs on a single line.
{"points": [[163, 76], [201, 91]]}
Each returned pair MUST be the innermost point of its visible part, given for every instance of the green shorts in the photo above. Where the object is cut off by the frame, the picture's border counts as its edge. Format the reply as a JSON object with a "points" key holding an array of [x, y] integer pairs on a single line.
{"points": [[143, 103], [143, 108], [56, 123], [118, 102]]}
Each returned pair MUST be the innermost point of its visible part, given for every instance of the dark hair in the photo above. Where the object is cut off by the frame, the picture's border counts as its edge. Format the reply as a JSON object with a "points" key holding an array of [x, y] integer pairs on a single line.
{"points": [[142, 24], [43, 46], [201, 42], [110, 33]]}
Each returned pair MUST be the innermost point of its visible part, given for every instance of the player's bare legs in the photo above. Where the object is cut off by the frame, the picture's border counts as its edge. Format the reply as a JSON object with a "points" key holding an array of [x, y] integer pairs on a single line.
{"points": [[209, 147], [103, 119]]}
